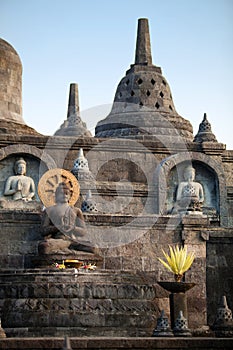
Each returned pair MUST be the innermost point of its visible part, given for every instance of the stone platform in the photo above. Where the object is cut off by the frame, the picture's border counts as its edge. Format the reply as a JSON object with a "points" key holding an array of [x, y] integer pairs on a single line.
{"points": [[119, 343], [53, 302], [47, 261]]}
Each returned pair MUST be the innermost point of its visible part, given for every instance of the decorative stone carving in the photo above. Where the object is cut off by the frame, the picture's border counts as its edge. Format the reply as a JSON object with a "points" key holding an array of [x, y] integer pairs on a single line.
{"points": [[143, 103], [63, 224], [49, 182], [210, 174], [20, 186], [190, 194], [181, 326], [205, 133], [223, 325], [89, 205], [162, 329], [81, 168]]}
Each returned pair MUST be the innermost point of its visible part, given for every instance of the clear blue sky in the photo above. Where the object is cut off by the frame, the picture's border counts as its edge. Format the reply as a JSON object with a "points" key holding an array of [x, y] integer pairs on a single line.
{"points": [[92, 43]]}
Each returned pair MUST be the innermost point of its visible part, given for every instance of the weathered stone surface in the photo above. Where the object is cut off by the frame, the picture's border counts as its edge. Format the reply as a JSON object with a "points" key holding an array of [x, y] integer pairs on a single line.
{"points": [[137, 255], [73, 125], [205, 132], [219, 262], [50, 298], [117, 343], [134, 180], [143, 103], [7, 169], [9, 127], [11, 83]]}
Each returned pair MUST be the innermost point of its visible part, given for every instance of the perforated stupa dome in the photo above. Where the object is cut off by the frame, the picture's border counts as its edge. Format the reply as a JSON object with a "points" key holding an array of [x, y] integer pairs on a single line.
{"points": [[143, 103]]}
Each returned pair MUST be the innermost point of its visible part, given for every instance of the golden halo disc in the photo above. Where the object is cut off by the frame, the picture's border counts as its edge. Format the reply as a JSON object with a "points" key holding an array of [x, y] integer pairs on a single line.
{"points": [[49, 182]]}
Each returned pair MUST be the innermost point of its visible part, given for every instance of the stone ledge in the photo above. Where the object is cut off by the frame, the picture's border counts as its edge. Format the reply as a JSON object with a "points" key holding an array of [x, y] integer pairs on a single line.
{"points": [[195, 220], [213, 148], [87, 143], [220, 233], [116, 343], [7, 215]]}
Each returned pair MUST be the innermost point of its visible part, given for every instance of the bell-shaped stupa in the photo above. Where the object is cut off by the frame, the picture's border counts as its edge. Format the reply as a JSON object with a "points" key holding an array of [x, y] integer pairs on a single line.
{"points": [[143, 102], [205, 133]]}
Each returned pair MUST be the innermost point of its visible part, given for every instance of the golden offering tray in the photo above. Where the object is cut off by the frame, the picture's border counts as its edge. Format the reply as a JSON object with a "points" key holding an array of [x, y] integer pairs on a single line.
{"points": [[73, 263]]}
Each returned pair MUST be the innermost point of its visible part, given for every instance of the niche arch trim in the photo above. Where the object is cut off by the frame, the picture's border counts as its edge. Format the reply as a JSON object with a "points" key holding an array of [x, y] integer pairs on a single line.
{"points": [[164, 168]]}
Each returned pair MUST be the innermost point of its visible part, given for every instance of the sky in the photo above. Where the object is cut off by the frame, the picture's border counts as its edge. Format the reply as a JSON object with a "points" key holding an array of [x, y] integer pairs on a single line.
{"points": [[92, 43]]}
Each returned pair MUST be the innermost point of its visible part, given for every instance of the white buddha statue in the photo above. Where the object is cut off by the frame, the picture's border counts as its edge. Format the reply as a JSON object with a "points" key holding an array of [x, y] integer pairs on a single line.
{"points": [[20, 186], [190, 194]]}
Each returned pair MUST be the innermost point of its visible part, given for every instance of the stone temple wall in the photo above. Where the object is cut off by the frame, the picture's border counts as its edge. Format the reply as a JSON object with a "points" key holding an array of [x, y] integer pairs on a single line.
{"points": [[136, 257], [219, 264], [135, 182]]}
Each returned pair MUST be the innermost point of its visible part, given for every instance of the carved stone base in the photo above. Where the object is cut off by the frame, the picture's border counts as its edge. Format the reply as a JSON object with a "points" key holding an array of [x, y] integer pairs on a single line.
{"points": [[53, 302], [20, 205], [51, 259]]}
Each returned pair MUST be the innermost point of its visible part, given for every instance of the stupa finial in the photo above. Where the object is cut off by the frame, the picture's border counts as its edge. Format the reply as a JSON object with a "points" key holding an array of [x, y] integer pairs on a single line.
{"points": [[73, 104], [143, 48]]}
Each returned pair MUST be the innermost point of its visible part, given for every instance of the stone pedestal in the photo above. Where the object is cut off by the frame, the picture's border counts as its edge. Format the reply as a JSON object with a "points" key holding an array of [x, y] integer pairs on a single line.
{"points": [[48, 261], [177, 298], [178, 302], [52, 302]]}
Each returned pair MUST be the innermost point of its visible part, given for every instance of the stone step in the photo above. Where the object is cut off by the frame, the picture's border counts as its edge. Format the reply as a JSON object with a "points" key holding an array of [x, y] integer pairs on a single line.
{"points": [[49, 301], [118, 343]]}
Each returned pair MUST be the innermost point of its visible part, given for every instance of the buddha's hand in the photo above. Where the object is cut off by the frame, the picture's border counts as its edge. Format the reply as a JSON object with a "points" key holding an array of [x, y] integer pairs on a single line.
{"points": [[66, 228], [19, 186]]}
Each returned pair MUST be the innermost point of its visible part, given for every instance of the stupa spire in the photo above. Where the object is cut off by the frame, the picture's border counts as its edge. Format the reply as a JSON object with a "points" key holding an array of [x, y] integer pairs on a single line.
{"points": [[73, 125], [73, 104], [143, 47]]}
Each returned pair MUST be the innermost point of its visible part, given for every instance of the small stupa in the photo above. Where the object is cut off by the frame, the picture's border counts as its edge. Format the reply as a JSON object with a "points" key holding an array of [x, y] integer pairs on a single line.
{"points": [[73, 125], [205, 133], [81, 168]]}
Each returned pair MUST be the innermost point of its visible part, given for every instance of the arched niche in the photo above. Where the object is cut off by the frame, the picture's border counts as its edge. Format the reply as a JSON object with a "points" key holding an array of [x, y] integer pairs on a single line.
{"points": [[38, 162], [209, 173]]}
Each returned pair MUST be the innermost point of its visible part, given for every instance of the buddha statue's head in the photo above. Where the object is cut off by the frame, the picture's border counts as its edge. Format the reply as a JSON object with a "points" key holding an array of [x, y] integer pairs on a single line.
{"points": [[20, 167], [62, 193], [189, 173]]}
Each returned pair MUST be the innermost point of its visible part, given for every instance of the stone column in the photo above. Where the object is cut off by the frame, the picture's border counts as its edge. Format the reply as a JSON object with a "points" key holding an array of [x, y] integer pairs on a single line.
{"points": [[178, 302], [194, 235]]}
